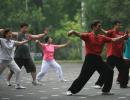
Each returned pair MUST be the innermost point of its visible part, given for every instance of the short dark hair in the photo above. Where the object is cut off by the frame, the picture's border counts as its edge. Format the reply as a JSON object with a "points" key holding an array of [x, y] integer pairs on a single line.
{"points": [[23, 24], [116, 21], [94, 23], [47, 38], [5, 32]]}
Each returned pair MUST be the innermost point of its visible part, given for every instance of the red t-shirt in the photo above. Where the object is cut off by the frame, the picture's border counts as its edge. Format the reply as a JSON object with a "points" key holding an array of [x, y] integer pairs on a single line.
{"points": [[94, 44], [114, 48]]}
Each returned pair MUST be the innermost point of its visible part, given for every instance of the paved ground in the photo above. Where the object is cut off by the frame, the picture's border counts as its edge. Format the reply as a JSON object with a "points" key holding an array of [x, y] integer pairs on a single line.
{"points": [[52, 89]]}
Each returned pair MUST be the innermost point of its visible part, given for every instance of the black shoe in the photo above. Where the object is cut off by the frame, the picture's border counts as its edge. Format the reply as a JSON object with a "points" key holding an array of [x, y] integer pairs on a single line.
{"points": [[107, 93], [125, 86]]}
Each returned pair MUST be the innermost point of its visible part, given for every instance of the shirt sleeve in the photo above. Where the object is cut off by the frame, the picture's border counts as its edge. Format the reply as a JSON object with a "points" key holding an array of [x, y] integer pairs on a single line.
{"points": [[85, 36], [109, 33]]}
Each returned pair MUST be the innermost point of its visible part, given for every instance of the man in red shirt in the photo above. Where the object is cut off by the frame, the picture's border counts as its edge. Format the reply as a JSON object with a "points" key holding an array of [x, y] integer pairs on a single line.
{"points": [[115, 56], [94, 42]]}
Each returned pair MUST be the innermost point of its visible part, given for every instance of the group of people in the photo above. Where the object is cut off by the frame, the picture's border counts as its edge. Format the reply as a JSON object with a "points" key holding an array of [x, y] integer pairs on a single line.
{"points": [[15, 54], [95, 40]]}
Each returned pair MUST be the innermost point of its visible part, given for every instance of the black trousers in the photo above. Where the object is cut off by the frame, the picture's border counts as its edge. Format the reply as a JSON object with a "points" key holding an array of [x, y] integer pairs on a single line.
{"points": [[119, 75], [91, 64], [121, 66]]}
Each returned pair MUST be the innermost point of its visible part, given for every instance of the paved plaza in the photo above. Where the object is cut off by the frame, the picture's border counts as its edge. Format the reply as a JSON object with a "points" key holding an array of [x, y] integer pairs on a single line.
{"points": [[52, 89]]}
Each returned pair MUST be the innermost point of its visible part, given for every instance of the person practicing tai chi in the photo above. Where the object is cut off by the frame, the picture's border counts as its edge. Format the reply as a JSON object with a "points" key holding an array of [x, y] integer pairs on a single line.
{"points": [[115, 56], [94, 42], [6, 55], [126, 55], [48, 59], [22, 54]]}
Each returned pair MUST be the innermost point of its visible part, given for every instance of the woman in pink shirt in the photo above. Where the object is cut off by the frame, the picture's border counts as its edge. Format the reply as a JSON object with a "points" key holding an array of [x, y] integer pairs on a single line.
{"points": [[48, 59]]}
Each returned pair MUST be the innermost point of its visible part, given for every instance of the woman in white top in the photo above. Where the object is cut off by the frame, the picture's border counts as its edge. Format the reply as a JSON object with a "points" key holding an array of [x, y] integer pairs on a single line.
{"points": [[6, 56]]}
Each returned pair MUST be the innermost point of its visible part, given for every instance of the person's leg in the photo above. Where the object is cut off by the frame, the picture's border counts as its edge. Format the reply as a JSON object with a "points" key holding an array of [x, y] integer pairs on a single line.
{"points": [[31, 68], [100, 81], [14, 67], [44, 69], [85, 74], [19, 62], [9, 76], [58, 70], [107, 73], [2, 67], [111, 63], [123, 69]]}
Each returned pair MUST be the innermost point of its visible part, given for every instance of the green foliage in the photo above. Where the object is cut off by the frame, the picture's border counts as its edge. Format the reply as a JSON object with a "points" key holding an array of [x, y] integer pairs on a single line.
{"points": [[107, 11], [61, 16], [73, 51]]}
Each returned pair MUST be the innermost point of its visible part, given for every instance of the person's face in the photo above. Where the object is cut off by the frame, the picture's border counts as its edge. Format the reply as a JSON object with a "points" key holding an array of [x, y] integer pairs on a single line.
{"points": [[118, 26], [97, 29], [9, 35], [24, 29], [50, 40], [98, 26]]}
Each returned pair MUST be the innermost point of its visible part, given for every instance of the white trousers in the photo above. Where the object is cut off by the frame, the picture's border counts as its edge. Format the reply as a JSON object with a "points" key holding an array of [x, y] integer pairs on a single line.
{"points": [[45, 67], [12, 66]]}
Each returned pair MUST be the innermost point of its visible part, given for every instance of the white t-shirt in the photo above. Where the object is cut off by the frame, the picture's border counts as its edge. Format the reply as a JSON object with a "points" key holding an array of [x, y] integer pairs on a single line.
{"points": [[7, 49]]}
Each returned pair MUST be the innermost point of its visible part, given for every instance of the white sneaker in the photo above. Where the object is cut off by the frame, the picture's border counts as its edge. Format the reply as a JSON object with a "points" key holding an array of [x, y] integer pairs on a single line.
{"points": [[63, 80], [8, 83], [18, 86], [97, 87], [36, 83], [69, 93]]}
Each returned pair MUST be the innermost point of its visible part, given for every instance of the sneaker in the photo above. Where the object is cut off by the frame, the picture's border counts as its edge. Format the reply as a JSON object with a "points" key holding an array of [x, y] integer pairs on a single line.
{"points": [[69, 93], [36, 83], [97, 87], [124, 86], [63, 80], [18, 86], [8, 83], [107, 93]]}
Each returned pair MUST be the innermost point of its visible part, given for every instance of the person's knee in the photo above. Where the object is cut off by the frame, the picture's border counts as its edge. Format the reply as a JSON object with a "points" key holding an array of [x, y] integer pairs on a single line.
{"points": [[19, 70]]}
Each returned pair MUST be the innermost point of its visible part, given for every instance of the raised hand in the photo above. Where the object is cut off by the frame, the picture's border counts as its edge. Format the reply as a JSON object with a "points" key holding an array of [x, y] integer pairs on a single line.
{"points": [[71, 32], [46, 30]]}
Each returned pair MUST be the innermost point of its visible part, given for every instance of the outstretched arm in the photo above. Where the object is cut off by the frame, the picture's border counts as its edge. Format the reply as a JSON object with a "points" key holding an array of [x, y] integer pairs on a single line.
{"points": [[36, 37], [72, 32], [21, 42], [39, 43], [121, 38], [103, 31], [63, 45]]}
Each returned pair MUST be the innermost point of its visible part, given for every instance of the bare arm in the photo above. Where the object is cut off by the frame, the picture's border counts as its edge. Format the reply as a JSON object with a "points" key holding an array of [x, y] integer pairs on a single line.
{"points": [[21, 42], [15, 33], [72, 32], [63, 45], [39, 43], [121, 38], [103, 31], [36, 37]]}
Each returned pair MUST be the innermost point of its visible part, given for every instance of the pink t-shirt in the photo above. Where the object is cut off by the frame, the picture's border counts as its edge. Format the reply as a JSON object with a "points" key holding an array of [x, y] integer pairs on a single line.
{"points": [[48, 51]]}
